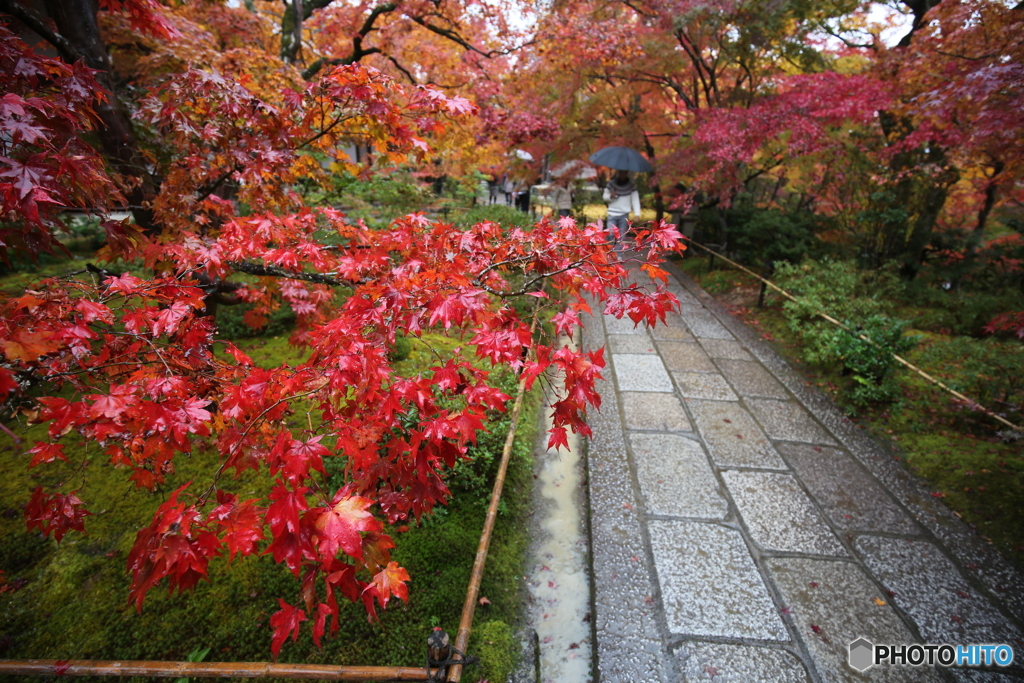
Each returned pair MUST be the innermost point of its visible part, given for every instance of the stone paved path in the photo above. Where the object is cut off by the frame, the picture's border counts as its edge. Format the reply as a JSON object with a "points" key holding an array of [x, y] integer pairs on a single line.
{"points": [[743, 530]]}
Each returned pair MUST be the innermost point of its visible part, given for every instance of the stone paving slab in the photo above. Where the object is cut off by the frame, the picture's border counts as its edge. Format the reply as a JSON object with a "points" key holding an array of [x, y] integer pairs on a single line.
{"points": [[751, 379], [674, 320], [646, 410], [787, 421], [638, 372], [851, 498], [705, 326], [671, 333], [623, 325], [928, 587], [675, 477], [630, 343], [685, 356], [709, 584], [779, 514], [725, 348], [724, 663], [832, 603], [704, 385], [733, 437]]}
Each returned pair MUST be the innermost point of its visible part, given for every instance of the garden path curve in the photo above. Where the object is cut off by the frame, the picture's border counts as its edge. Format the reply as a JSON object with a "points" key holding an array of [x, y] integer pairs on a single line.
{"points": [[742, 529]]}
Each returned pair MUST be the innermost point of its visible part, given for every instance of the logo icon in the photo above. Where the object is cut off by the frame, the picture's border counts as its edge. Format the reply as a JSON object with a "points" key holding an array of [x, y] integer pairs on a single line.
{"points": [[861, 654]]}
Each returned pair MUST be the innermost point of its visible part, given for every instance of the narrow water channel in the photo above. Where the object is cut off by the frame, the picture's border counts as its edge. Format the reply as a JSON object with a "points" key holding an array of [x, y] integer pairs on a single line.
{"points": [[558, 579]]}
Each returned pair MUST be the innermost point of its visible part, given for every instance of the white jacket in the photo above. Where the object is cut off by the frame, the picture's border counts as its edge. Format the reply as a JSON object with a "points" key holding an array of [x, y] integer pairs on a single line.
{"points": [[623, 205]]}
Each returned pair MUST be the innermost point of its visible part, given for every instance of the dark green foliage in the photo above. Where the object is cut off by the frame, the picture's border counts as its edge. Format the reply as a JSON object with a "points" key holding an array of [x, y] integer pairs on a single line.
{"points": [[377, 200], [988, 371], [402, 349], [505, 216], [867, 354], [231, 322], [859, 299], [762, 237], [957, 311], [881, 229]]}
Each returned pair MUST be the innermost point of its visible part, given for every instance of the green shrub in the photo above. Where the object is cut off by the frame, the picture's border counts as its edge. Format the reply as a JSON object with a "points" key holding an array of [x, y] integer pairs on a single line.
{"points": [[870, 361], [838, 288], [763, 237], [505, 216], [859, 299], [231, 322], [378, 200]]}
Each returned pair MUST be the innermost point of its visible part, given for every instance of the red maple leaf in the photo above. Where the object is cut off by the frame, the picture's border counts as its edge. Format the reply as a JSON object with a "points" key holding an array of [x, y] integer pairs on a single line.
{"points": [[241, 524], [338, 525], [55, 513], [285, 622], [46, 452], [390, 581]]}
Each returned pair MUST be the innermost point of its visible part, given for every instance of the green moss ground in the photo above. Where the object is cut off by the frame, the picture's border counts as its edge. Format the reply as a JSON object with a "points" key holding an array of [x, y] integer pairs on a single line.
{"points": [[71, 599], [957, 453]]}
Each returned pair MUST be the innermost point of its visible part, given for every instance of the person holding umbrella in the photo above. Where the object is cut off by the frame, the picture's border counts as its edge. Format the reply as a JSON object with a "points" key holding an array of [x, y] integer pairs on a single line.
{"points": [[622, 197], [621, 193]]}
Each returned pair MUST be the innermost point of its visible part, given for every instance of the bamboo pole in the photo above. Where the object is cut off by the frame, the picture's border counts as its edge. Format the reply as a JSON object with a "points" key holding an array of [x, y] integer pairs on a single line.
{"points": [[469, 606], [50, 667], [900, 360]]}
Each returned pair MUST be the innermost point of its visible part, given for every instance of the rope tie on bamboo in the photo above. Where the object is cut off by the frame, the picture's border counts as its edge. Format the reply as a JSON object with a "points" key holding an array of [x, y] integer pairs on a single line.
{"points": [[441, 654], [902, 361]]}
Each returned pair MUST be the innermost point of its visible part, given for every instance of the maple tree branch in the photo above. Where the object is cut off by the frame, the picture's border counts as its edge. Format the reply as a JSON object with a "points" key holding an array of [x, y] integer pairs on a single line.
{"points": [[459, 40], [955, 55], [408, 74], [220, 470], [26, 16], [17, 439], [528, 287], [849, 43], [262, 270], [315, 67], [357, 43], [630, 5]]}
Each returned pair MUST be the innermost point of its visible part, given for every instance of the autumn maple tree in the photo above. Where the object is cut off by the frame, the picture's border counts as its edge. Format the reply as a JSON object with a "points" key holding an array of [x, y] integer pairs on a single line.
{"points": [[130, 359]]}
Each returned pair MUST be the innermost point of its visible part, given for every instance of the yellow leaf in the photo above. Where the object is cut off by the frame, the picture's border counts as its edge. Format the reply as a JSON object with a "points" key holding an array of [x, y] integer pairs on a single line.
{"points": [[879, 602]]}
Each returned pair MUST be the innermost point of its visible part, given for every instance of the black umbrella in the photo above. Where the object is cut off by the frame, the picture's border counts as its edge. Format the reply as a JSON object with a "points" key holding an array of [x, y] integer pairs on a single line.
{"points": [[621, 159]]}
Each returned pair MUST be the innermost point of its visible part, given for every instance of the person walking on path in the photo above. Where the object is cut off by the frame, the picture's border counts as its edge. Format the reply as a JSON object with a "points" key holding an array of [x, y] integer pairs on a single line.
{"points": [[492, 189], [509, 187], [622, 198], [561, 198]]}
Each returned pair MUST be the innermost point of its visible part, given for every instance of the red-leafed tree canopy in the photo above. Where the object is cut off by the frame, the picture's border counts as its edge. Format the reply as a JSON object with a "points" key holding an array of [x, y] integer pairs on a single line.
{"points": [[130, 360]]}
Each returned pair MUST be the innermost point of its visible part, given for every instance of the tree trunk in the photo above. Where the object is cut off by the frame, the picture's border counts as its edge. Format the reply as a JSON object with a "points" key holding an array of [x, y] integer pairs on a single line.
{"points": [[76, 21], [659, 201]]}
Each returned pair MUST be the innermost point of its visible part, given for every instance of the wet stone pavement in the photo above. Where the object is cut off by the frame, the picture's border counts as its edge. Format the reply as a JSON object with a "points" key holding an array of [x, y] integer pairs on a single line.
{"points": [[742, 529]]}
